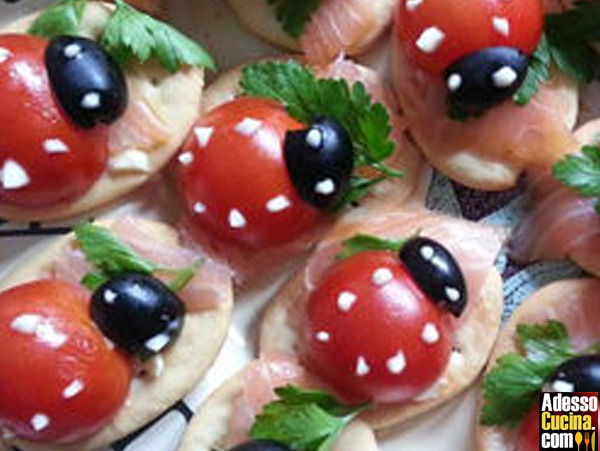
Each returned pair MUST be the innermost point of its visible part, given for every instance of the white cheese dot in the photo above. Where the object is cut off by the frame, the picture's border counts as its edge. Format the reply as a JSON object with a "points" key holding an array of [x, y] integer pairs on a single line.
{"points": [[501, 25], [14, 175], [248, 126], [157, 343], [454, 82], [427, 252], [382, 276], [504, 77], [72, 50], [452, 294], [278, 204], [91, 101], [362, 368], [203, 135], [314, 138], [4, 54], [397, 363], [186, 158], [110, 296], [430, 40], [323, 336], [46, 333], [412, 5], [236, 219], [26, 324], [55, 146], [40, 422], [199, 208], [346, 300], [73, 389], [430, 334], [325, 187], [563, 386], [132, 160]]}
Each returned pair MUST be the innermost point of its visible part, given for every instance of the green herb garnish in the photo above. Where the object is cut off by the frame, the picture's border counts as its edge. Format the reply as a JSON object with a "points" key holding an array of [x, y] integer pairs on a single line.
{"points": [[581, 172], [511, 389], [294, 14], [537, 73], [361, 243], [112, 257], [129, 34], [305, 97], [304, 420]]}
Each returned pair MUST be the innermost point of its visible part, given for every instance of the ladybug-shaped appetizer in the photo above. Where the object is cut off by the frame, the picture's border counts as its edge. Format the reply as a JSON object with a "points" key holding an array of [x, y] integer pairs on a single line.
{"points": [[488, 86], [556, 341], [320, 29], [266, 169], [80, 127], [97, 335], [383, 319]]}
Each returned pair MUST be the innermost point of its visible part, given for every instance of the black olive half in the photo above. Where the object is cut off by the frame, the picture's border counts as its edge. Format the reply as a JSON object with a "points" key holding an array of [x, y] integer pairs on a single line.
{"points": [[260, 445], [320, 161], [579, 374], [87, 81], [485, 78], [436, 272], [139, 313]]}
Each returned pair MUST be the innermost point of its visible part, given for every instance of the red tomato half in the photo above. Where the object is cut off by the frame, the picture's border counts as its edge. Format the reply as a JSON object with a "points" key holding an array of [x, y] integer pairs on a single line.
{"points": [[436, 34], [234, 178], [60, 380], [45, 158], [372, 334], [529, 431]]}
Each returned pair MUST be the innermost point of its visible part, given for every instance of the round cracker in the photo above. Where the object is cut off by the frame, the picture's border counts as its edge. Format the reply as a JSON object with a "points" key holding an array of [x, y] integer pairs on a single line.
{"points": [[174, 98], [259, 17], [542, 305], [210, 424], [184, 363], [473, 342]]}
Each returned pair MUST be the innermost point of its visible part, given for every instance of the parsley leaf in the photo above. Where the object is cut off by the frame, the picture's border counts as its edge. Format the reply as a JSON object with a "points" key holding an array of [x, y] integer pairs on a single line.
{"points": [[133, 34], [361, 243], [581, 172], [60, 18], [303, 420], [294, 14], [111, 257], [511, 389], [305, 97], [537, 73]]}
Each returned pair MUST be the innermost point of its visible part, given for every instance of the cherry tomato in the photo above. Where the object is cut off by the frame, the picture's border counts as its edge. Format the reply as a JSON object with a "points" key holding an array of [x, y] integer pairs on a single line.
{"points": [[234, 177], [60, 380], [529, 431], [372, 334], [436, 34], [45, 159]]}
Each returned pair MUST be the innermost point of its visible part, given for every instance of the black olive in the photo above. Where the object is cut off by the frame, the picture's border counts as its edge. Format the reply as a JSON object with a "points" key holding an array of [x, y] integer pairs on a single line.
{"points": [[579, 374], [260, 445], [87, 81], [139, 313], [485, 78], [436, 272], [320, 161]]}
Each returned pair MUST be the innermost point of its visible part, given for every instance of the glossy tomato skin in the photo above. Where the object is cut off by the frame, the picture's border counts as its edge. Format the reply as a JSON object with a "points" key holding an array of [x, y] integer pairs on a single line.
{"points": [[60, 380], [237, 187], [529, 431], [372, 334], [457, 28], [51, 159]]}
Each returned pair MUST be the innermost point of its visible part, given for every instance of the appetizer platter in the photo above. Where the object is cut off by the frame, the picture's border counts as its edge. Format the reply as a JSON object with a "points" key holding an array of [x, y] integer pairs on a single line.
{"points": [[330, 226]]}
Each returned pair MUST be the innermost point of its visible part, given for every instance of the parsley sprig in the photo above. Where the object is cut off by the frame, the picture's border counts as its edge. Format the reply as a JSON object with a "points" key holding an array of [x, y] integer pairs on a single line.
{"points": [[294, 15], [362, 242], [581, 172], [305, 97], [304, 420], [566, 44], [111, 257], [129, 34], [511, 389]]}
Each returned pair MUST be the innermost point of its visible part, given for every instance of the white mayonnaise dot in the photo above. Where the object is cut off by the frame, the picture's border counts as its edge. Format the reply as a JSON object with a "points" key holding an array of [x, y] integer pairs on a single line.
{"points": [[236, 219], [73, 389], [454, 82], [322, 336], [110, 296], [91, 101], [203, 135], [501, 25], [504, 77], [13, 175], [346, 300], [362, 368], [411, 5], [72, 50], [314, 138], [278, 204], [26, 324], [430, 40], [397, 363], [47, 334], [452, 294], [4, 54], [55, 145], [248, 126], [40, 422], [199, 208], [325, 187], [427, 252], [430, 334], [186, 158], [382, 276]]}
